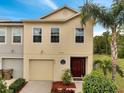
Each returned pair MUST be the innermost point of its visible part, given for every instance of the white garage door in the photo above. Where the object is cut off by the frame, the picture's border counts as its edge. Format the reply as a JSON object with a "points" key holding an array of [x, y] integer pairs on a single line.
{"points": [[41, 70], [15, 64]]}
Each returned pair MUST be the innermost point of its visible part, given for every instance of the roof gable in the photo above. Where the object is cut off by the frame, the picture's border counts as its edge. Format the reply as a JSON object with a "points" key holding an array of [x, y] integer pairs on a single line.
{"points": [[62, 13]]}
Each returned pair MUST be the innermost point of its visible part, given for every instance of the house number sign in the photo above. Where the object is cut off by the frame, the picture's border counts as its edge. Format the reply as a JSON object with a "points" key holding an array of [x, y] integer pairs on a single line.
{"points": [[62, 62]]}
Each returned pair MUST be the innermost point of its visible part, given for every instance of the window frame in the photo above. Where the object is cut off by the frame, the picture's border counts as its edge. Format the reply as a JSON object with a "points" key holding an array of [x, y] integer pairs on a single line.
{"points": [[33, 35], [13, 29], [5, 29], [76, 35], [51, 35]]}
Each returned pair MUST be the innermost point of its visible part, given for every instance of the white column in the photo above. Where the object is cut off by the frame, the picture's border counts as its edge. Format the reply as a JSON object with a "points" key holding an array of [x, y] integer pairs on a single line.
{"points": [[26, 68], [0, 63]]}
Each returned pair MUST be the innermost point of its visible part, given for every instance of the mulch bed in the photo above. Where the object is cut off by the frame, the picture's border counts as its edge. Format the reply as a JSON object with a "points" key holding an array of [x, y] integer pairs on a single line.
{"points": [[22, 88], [120, 91], [58, 87]]}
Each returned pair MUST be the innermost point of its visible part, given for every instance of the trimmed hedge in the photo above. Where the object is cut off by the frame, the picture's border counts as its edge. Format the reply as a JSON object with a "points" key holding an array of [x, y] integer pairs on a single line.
{"points": [[17, 85]]}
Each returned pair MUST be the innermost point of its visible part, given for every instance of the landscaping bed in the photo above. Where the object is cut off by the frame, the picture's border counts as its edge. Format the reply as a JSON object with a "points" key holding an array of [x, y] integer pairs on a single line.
{"points": [[120, 91], [17, 85], [60, 87], [21, 88]]}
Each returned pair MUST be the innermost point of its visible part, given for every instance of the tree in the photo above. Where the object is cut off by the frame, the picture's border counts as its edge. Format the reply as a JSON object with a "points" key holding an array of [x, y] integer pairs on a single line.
{"points": [[111, 18], [120, 43], [102, 43], [106, 36], [106, 67], [99, 45]]}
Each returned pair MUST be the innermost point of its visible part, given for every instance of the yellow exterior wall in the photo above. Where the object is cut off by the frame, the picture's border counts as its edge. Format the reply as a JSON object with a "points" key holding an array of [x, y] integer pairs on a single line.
{"points": [[64, 13], [65, 49]]}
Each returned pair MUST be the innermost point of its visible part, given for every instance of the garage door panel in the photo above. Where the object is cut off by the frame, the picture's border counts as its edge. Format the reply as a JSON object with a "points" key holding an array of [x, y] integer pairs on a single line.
{"points": [[41, 70], [16, 65]]}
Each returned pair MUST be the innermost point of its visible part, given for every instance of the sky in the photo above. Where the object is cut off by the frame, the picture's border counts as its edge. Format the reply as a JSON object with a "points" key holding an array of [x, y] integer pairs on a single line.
{"points": [[33, 9]]}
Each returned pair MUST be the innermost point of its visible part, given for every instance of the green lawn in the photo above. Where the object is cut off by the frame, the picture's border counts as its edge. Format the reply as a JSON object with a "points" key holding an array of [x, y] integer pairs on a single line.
{"points": [[119, 80]]}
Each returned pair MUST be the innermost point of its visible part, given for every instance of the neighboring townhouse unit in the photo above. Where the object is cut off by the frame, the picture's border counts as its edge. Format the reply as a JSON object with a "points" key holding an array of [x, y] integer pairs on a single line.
{"points": [[11, 47], [51, 44]]}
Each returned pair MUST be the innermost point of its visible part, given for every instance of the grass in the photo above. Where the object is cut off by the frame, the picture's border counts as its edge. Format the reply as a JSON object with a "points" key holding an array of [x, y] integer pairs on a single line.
{"points": [[119, 80]]}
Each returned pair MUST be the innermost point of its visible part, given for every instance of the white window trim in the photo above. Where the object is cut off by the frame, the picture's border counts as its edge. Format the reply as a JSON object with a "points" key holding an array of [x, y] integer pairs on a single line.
{"points": [[13, 29], [5, 29], [59, 35], [41, 35], [75, 35]]}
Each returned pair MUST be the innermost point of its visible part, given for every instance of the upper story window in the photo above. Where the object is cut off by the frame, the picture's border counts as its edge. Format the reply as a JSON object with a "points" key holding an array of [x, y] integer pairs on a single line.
{"points": [[79, 38], [2, 35], [37, 35], [17, 35], [54, 35]]}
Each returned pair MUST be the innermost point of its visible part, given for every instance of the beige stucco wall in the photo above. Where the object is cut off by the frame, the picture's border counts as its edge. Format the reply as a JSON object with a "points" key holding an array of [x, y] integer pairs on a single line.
{"points": [[63, 14], [65, 49]]}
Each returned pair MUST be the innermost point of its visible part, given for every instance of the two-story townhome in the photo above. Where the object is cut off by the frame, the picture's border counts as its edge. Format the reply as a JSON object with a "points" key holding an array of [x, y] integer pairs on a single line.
{"points": [[11, 47], [43, 48]]}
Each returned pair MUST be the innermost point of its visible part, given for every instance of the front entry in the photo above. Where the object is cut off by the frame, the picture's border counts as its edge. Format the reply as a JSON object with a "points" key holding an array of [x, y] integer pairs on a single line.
{"points": [[78, 66]]}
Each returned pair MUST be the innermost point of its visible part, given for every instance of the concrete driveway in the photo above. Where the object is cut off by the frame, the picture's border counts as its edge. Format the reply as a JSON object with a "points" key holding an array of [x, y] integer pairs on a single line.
{"points": [[37, 87]]}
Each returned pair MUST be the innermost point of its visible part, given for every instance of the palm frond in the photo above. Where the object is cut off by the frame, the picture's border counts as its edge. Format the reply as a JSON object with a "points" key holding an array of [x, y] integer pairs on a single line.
{"points": [[118, 12], [120, 71], [108, 65], [98, 13], [120, 18], [97, 64]]}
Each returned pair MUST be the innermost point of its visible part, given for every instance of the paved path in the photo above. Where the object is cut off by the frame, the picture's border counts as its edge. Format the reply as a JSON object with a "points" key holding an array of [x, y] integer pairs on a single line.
{"points": [[37, 87], [78, 86]]}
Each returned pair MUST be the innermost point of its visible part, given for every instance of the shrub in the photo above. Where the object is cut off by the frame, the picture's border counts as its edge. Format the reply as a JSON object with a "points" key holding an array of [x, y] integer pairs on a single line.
{"points": [[66, 78], [3, 87], [97, 83], [17, 85]]}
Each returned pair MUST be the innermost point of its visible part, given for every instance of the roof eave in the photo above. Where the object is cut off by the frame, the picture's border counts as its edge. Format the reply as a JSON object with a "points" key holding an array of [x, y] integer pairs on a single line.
{"points": [[11, 22], [50, 21]]}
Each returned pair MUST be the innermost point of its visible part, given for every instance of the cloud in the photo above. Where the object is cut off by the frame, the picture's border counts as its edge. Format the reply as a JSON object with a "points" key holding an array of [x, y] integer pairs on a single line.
{"points": [[51, 4], [106, 3], [4, 17], [98, 30], [97, 33], [39, 3]]}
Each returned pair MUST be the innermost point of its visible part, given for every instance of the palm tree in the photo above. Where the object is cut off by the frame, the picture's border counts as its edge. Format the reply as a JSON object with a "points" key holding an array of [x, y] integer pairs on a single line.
{"points": [[106, 66], [111, 18], [117, 1]]}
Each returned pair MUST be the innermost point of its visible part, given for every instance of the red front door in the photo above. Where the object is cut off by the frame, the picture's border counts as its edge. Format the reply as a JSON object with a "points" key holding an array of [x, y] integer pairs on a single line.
{"points": [[78, 67]]}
